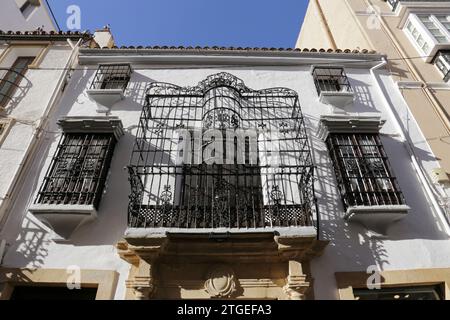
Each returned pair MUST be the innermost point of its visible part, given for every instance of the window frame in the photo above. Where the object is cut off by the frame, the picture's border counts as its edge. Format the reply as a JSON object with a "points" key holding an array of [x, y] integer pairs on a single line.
{"points": [[72, 183], [444, 67], [106, 72], [324, 82], [367, 190], [436, 290], [429, 39], [348, 281]]}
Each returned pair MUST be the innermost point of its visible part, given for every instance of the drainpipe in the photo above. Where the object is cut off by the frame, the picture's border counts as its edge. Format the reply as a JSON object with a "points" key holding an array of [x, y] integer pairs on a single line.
{"points": [[423, 176], [30, 153]]}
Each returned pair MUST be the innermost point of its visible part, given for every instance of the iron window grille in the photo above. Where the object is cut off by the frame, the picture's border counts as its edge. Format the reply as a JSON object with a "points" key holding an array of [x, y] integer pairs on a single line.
{"points": [[112, 76], [247, 194], [78, 170], [362, 170], [442, 62], [331, 79], [12, 77]]}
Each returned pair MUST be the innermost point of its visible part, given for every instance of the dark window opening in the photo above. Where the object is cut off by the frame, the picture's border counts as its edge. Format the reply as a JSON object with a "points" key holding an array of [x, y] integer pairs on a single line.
{"points": [[362, 170], [78, 171], [12, 78], [400, 293], [25, 6]]}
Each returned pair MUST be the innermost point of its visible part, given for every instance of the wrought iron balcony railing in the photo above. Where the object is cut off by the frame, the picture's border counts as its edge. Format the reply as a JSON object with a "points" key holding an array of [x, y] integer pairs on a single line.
{"points": [[267, 183], [9, 84]]}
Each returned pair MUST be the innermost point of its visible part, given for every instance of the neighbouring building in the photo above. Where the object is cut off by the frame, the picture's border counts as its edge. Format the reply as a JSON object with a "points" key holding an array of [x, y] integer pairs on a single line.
{"points": [[26, 15], [415, 36], [172, 173]]}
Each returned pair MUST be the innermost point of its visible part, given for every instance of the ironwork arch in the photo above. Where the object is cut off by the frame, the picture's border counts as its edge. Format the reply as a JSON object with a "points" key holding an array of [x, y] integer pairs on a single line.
{"points": [[267, 193]]}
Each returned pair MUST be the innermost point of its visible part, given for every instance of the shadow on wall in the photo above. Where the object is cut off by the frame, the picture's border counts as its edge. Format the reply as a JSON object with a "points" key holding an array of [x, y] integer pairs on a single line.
{"points": [[30, 248], [112, 220], [135, 94], [29, 243], [21, 92], [352, 245], [363, 98], [397, 71]]}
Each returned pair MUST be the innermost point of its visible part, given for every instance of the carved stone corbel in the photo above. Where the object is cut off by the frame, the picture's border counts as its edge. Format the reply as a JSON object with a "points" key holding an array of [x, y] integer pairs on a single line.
{"points": [[296, 286], [143, 258], [143, 283]]}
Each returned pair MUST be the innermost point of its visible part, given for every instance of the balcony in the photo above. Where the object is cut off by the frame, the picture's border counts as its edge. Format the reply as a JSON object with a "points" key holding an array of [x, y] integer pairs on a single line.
{"points": [[10, 80], [223, 206], [256, 193], [333, 86], [109, 85], [220, 172], [442, 62]]}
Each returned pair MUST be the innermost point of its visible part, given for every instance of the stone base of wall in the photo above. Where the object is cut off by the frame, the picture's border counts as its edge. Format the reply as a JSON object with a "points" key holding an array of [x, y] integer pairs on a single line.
{"points": [[238, 266]]}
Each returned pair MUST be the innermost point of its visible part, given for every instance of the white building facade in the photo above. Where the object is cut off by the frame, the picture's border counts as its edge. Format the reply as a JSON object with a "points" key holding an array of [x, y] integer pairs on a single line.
{"points": [[327, 194], [26, 15]]}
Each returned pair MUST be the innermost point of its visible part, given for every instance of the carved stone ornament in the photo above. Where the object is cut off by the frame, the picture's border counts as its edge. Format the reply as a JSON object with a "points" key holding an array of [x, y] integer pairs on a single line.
{"points": [[221, 282]]}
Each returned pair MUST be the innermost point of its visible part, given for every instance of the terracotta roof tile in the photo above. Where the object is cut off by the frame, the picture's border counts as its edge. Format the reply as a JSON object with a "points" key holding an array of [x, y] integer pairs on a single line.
{"points": [[216, 48], [40, 34]]}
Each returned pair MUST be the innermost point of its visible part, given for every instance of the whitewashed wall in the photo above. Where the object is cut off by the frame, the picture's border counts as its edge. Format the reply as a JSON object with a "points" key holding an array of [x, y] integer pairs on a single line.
{"points": [[418, 241], [12, 19], [27, 108]]}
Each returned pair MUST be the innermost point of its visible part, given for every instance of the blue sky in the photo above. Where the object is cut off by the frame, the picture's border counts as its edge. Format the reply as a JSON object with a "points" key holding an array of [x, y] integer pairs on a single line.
{"points": [[245, 23]]}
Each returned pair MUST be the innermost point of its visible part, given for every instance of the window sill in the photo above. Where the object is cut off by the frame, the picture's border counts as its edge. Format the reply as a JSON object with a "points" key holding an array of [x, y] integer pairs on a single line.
{"points": [[337, 98], [378, 218], [105, 97], [63, 219]]}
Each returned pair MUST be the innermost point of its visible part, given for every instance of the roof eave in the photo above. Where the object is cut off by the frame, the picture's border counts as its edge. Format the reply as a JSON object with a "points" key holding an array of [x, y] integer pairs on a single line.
{"points": [[224, 57]]}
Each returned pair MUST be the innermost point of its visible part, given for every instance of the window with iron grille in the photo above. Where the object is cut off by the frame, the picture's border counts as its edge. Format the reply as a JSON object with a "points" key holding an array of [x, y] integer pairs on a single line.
{"points": [[331, 79], [362, 170], [248, 191], [78, 170], [113, 76]]}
